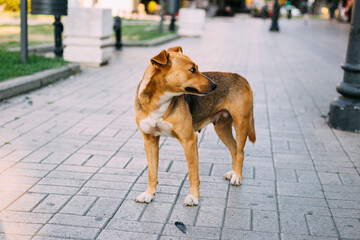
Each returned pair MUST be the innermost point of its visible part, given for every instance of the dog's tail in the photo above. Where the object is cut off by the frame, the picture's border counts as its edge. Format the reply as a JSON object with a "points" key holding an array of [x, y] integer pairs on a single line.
{"points": [[251, 127]]}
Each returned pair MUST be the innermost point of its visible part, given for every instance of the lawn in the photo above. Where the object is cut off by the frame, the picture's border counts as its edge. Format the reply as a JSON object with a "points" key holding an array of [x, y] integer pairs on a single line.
{"points": [[37, 34], [43, 32], [132, 30], [11, 66]]}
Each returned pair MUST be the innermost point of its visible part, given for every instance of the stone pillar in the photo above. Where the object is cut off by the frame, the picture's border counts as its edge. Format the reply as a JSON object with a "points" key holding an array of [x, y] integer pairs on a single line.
{"points": [[88, 32]]}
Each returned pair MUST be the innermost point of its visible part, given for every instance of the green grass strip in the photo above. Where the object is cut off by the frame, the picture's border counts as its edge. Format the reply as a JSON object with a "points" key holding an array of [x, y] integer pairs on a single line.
{"points": [[11, 66]]}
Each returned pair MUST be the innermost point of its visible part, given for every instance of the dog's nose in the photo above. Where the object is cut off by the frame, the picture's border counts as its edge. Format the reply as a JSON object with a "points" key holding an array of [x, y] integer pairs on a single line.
{"points": [[213, 86]]}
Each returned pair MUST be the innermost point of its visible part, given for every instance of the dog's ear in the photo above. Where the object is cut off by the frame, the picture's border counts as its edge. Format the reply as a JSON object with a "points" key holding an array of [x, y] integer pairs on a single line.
{"points": [[175, 49], [160, 59]]}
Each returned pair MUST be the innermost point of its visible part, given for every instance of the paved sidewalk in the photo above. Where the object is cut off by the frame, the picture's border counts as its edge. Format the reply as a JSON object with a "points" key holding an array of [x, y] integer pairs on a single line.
{"points": [[72, 159]]}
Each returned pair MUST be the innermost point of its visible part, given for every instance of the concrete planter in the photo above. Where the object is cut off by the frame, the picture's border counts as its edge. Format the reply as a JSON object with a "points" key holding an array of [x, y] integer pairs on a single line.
{"points": [[191, 22], [88, 32]]}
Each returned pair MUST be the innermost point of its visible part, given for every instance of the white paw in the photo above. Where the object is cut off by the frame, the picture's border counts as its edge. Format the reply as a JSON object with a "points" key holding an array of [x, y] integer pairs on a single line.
{"points": [[229, 175], [190, 200], [144, 198], [234, 180]]}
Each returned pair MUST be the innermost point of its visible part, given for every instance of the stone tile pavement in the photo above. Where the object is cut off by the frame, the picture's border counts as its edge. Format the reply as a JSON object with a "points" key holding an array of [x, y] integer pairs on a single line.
{"points": [[72, 159]]}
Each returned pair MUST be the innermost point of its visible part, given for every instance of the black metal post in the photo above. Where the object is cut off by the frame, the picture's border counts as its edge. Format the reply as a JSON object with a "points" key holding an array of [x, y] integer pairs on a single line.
{"points": [[274, 24], [172, 23], [117, 29], [345, 110], [58, 41], [161, 26], [24, 32]]}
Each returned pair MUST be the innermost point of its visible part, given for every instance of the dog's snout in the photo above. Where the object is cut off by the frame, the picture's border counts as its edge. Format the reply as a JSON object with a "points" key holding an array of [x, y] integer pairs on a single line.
{"points": [[213, 86]]}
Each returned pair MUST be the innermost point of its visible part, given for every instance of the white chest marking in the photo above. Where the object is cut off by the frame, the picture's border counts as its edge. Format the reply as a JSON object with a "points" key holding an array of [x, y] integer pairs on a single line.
{"points": [[154, 124]]}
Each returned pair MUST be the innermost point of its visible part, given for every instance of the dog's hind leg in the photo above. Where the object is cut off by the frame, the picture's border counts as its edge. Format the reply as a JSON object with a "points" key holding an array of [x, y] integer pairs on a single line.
{"points": [[241, 129], [152, 153], [223, 129]]}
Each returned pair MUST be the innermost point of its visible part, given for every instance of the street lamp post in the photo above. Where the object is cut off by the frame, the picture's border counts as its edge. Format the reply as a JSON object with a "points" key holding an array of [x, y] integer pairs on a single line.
{"points": [[274, 24], [345, 110], [24, 32]]}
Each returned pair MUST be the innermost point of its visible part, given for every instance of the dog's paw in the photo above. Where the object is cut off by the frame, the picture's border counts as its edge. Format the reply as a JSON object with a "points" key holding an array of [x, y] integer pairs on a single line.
{"points": [[234, 180], [144, 198], [229, 175], [190, 200]]}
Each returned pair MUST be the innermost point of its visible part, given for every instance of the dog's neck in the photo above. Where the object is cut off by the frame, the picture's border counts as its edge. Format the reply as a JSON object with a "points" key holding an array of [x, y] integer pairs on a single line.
{"points": [[156, 99]]}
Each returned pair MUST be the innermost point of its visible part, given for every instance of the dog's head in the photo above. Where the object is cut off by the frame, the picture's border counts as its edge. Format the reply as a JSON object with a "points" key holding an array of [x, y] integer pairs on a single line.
{"points": [[179, 74]]}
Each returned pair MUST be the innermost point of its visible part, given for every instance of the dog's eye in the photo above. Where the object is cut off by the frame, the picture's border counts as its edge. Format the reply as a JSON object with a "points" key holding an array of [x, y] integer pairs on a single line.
{"points": [[193, 70]]}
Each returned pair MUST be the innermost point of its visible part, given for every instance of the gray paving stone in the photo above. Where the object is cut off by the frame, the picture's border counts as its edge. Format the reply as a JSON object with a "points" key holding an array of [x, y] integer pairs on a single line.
{"points": [[114, 234], [107, 184], [79, 205], [284, 174], [77, 159], [52, 189], [237, 219], [308, 210], [348, 227], [156, 212], [27, 202], [62, 182], [350, 179], [266, 206], [52, 203], [286, 236], [54, 230], [293, 223], [14, 236], [264, 173], [307, 176], [80, 221], [346, 213], [194, 232], [240, 234], [265, 221], [300, 192], [321, 226], [104, 207], [24, 217], [344, 204], [69, 175], [236, 195], [114, 178], [210, 216], [329, 178], [100, 192], [130, 210], [19, 228], [135, 226], [184, 214]]}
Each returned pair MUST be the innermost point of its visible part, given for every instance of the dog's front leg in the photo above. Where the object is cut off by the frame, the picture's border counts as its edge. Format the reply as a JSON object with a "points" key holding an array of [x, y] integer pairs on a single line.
{"points": [[192, 159], [152, 153]]}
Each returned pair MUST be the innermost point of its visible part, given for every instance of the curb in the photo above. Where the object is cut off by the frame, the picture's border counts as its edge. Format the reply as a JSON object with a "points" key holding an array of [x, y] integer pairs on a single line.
{"points": [[49, 47], [40, 48], [150, 43], [27, 83]]}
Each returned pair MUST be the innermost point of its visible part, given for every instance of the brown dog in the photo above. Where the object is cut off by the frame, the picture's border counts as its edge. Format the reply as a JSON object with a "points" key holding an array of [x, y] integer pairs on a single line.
{"points": [[175, 99]]}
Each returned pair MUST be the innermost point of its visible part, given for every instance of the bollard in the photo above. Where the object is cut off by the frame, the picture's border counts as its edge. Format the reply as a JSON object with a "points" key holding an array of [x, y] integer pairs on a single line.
{"points": [[274, 23], [117, 29], [59, 28], [345, 110]]}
